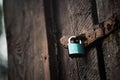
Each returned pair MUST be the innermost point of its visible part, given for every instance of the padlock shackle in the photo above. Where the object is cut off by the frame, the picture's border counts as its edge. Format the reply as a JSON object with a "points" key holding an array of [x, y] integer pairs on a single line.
{"points": [[80, 42], [71, 38]]}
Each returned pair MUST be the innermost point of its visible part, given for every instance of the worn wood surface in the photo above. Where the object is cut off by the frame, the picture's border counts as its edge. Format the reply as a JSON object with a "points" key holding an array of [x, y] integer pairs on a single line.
{"points": [[72, 16], [111, 51], [27, 40], [35, 53], [106, 8]]}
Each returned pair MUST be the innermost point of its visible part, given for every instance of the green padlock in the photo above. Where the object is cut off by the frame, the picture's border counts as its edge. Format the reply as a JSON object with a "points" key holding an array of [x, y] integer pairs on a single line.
{"points": [[75, 48]]}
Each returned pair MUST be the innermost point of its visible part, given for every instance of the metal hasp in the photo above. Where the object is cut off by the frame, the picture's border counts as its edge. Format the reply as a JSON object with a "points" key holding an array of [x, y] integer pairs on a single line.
{"points": [[96, 32]]}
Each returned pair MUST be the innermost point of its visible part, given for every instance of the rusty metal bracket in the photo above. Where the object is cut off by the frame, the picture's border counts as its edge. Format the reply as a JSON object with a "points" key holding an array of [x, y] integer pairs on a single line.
{"points": [[88, 36]]}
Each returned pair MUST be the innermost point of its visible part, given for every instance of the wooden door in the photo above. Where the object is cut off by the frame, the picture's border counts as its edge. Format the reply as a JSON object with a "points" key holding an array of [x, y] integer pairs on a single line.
{"points": [[72, 17], [34, 29]]}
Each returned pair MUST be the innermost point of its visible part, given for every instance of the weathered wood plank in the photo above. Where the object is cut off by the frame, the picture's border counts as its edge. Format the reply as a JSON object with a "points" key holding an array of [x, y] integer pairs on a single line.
{"points": [[27, 40], [106, 8], [72, 16], [111, 50]]}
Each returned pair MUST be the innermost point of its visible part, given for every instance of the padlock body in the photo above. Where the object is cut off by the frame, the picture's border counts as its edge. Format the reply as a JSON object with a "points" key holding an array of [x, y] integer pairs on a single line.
{"points": [[75, 48]]}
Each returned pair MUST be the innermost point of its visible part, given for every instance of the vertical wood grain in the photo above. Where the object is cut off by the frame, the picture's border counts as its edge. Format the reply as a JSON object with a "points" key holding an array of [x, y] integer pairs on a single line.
{"points": [[111, 50], [72, 17], [27, 40], [106, 8], [33, 32]]}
